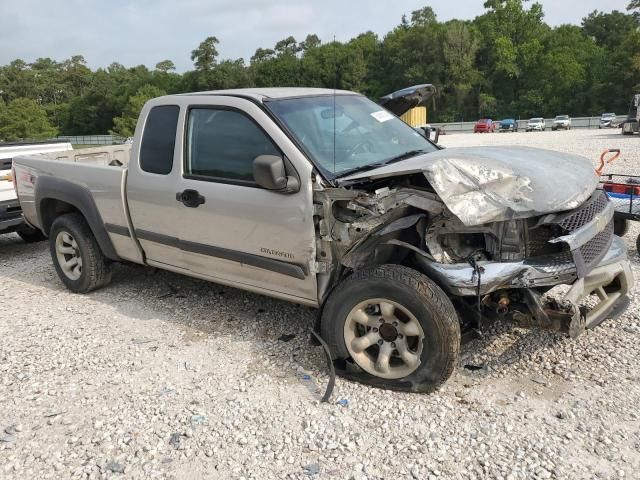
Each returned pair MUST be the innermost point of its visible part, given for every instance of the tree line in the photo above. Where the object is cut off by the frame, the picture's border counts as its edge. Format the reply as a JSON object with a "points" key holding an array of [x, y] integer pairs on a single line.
{"points": [[506, 62]]}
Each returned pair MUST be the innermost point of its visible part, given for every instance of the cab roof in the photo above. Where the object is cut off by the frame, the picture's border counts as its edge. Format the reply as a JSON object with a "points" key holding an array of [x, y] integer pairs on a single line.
{"points": [[261, 94]]}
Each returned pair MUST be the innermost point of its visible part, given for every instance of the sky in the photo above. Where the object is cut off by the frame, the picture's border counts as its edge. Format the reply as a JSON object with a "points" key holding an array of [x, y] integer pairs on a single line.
{"points": [[134, 32]]}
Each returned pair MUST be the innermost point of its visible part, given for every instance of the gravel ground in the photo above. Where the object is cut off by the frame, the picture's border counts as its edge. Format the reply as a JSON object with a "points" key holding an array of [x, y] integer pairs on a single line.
{"points": [[162, 376]]}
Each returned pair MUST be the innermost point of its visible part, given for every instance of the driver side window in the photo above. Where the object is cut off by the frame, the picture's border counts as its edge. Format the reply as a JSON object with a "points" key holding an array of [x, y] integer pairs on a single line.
{"points": [[222, 144]]}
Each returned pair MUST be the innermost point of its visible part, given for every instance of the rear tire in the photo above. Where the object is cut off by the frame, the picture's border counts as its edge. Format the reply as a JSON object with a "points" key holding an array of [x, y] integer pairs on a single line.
{"points": [[365, 309], [76, 255], [30, 235]]}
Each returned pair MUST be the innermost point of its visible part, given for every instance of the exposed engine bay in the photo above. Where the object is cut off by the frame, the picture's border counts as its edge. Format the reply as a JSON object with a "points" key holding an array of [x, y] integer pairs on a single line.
{"points": [[494, 269]]}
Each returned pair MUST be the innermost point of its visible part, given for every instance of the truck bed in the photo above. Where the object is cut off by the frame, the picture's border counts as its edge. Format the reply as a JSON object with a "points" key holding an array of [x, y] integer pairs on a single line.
{"points": [[107, 156], [100, 171]]}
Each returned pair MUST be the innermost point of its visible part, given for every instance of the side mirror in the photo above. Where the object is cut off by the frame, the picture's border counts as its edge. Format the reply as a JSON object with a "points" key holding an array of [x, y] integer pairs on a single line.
{"points": [[269, 172]]}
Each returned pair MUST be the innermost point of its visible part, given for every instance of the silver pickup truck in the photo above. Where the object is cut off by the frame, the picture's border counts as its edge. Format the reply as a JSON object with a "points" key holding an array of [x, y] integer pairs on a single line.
{"points": [[326, 199]]}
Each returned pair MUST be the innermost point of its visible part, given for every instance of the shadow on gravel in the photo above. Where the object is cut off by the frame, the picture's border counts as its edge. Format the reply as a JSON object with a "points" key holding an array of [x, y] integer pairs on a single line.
{"points": [[143, 293]]}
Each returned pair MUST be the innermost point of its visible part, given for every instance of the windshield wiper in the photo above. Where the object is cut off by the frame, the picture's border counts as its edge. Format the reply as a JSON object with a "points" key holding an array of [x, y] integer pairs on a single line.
{"points": [[371, 166]]}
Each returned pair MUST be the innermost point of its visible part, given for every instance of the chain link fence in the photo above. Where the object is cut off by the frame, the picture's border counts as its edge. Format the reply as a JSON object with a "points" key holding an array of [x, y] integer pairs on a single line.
{"points": [[93, 139]]}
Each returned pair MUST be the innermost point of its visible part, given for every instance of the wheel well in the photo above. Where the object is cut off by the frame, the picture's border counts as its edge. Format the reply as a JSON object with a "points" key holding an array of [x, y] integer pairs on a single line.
{"points": [[50, 209]]}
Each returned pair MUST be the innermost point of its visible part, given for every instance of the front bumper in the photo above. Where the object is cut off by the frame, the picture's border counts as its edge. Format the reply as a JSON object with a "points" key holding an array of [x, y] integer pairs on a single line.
{"points": [[609, 280]]}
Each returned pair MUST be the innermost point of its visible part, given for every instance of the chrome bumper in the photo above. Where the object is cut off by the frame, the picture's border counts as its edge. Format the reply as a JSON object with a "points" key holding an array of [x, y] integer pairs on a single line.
{"points": [[459, 279]]}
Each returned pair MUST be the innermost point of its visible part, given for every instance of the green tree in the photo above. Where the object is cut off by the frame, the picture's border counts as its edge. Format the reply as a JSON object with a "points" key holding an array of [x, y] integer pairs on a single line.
{"points": [[23, 118], [125, 124], [460, 45], [165, 66], [206, 55]]}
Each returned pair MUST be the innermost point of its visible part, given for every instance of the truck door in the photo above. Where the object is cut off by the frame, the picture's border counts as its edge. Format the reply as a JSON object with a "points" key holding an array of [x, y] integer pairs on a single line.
{"points": [[151, 183], [232, 230]]}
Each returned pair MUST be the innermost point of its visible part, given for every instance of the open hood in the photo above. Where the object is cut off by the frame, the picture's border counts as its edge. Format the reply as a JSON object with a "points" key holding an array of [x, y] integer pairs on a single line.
{"points": [[403, 100], [489, 184]]}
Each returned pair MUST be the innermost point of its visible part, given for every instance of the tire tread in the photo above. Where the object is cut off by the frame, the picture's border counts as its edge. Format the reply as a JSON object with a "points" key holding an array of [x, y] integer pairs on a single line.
{"points": [[432, 295]]}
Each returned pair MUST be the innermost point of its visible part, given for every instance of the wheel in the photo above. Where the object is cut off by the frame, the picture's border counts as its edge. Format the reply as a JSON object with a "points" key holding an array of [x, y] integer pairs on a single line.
{"points": [[395, 327], [620, 226], [30, 235], [638, 244], [76, 255]]}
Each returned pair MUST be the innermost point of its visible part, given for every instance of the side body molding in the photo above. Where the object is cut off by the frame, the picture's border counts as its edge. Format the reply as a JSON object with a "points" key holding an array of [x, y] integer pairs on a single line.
{"points": [[51, 190]]}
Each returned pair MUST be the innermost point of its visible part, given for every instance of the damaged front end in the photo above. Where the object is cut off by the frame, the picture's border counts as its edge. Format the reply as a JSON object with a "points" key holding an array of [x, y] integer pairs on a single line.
{"points": [[499, 268]]}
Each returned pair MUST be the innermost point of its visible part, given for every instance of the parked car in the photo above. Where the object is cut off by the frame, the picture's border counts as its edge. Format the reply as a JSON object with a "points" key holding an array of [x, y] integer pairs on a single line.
{"points": [[561, 121], [608, 120], [484, 125], [536, 124], [10, 211], [632, 123], [324, 198], [508, 125]]}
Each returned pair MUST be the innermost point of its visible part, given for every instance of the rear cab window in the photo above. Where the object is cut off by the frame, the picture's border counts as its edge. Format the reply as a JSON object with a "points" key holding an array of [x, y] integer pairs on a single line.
{"points": [[159, 139]]}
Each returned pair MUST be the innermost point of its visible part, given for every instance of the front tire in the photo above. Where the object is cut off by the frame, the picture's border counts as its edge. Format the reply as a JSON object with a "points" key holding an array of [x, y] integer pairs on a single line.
{"points": [[76, 254], [395, 326]]}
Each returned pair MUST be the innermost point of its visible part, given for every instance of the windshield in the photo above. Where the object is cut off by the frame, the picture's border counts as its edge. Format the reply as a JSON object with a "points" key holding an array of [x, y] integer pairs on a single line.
{"points": [[608, 115], [562, 117], [535, 120], [356, 134]]}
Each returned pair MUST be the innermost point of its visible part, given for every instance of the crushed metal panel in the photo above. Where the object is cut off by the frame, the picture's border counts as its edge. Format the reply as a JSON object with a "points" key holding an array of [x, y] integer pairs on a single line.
{"points": [[488, 184]]}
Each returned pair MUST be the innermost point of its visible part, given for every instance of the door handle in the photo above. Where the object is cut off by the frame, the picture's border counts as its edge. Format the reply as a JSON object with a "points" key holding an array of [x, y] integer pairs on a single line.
{"points": [[190, 198]]}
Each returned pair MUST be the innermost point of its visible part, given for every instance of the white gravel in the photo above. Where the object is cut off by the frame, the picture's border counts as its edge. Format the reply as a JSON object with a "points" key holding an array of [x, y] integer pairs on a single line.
{"points": [[162, 376]]}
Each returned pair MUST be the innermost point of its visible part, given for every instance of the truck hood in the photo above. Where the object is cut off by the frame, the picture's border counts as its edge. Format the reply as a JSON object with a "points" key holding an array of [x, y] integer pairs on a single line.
{"points": [[404, 100], [490, 184]]}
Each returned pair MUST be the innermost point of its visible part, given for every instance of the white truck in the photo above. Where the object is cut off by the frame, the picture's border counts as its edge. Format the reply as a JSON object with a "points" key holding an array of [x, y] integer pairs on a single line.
{"points": [[324, 198], [10, 212]]}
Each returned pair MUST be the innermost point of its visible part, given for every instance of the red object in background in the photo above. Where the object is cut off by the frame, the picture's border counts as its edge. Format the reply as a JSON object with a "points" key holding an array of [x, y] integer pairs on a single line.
{"points": [[484, 125], [621, 188]]}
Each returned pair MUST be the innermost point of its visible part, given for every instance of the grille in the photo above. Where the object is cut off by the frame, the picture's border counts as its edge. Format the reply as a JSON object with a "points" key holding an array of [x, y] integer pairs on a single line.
{"points": [[583, 215], [585, 257], [559, 264], [589, 254]]}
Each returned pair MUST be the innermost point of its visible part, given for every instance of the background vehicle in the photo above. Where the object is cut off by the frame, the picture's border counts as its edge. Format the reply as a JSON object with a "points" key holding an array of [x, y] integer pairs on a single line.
{"points": [[10, 211], [536, 124], [632, 123], [561, 121], [484, 125], [324, 198], [608, 120], [508, 125]]}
